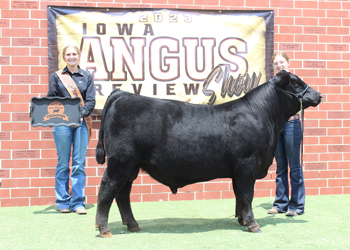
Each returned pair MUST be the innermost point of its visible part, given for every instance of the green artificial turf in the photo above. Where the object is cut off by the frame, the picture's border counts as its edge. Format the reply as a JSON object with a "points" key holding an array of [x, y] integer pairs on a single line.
{"points": [[207, 224]]}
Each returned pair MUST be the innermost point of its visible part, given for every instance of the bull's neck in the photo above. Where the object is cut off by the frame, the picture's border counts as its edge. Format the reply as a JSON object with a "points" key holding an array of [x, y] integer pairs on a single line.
{"points": [[273, 107]]}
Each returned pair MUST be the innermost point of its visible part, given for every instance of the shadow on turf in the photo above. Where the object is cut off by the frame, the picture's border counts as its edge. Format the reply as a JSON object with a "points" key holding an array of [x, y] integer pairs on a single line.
{"points": [[53, 209], [198, 225]]}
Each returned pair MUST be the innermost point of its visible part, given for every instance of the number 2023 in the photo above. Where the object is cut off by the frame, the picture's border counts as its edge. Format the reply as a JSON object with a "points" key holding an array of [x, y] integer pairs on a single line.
{"points": [[158, 17]]}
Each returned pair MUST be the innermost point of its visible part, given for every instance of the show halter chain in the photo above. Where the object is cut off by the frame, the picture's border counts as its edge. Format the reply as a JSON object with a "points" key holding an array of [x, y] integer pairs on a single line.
{"points": [[299, 98]]}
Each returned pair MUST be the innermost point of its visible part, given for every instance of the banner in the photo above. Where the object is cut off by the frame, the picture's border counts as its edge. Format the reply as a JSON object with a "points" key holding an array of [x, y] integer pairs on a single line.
{"points": [[197, 56]]}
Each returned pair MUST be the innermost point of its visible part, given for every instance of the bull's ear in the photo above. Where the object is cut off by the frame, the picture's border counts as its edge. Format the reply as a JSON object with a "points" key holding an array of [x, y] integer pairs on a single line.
{"points": [[283, 78]]}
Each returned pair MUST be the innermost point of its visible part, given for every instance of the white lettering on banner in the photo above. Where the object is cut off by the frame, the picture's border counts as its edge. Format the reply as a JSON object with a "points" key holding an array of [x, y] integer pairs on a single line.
{"points": [[192, 57], [164, 59]]}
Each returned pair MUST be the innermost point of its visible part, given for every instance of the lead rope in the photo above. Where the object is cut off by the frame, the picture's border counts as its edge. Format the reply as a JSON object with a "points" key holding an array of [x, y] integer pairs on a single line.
{"points": [[302, 132]]}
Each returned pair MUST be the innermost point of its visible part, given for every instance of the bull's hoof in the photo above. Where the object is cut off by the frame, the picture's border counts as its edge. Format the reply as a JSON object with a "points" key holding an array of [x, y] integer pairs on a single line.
{"points": [[135, 229], [255, 229], [107, 234]]}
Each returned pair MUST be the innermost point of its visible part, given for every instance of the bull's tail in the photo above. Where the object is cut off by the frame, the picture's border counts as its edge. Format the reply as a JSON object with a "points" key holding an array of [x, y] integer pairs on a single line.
{"points": [[100, 148]]}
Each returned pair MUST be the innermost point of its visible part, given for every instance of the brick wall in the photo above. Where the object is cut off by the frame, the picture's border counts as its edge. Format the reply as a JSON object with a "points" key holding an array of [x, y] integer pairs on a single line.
{"points": [[314, 33]]}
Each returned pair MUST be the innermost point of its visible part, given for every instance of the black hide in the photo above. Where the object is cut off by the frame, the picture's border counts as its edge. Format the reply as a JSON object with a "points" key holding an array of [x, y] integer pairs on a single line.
{"points": [[178, 143]]}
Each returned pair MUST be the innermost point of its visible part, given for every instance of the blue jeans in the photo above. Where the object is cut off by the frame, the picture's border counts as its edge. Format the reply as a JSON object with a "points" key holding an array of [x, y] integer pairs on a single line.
{"points": [[64, 137], [288, 151]]}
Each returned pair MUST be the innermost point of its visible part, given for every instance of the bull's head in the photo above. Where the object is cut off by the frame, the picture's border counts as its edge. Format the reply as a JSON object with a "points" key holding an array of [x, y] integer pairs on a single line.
{"points": [[295, 88]]}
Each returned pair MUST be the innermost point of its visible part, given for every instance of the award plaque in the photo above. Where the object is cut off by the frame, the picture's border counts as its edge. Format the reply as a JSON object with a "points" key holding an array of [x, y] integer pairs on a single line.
{"points": [[55, 111]]}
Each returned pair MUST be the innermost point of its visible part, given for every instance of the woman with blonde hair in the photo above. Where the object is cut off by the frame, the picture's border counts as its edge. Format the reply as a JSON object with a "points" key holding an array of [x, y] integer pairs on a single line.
{"points": [[65, 137], [288, 153]]}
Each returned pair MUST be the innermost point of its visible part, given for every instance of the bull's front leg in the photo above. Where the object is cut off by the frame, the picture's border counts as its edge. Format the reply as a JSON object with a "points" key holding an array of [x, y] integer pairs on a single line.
{"points": [[123, 201], [244, 191], [104, 202]]}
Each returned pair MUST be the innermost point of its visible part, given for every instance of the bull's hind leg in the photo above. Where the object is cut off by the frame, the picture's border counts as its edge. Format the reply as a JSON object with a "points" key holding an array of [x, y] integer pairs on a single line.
{"points": [[104, 202], [123, 200], [244, 191]]}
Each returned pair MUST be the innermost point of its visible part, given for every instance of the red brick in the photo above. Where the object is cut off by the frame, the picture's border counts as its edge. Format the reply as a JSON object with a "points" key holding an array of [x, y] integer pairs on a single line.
{"points": [[39, 70], [155, 188], [42, 182], [15, 14], [331, 174], [330, 123], [338, 131], [330, 73], [41, 201], [14, 89], [284, 38], [346, 173], [290, 12], [306, 4], [4, 193], [329, 56], [338, 182], [37, 89], [93, 180], [310, 175], [93, 199], [216, 186], [208, 195], [328, 191], [42, 144], [228, 195], [291, 29], [5, 116], [281, 4], [306, 38], [315, 183], [20, 173], [24, 23], [331, 157], [145, 189], [25, 60], [257, 3], [311, 191], [15, 202], [315, 149], [181, 196], [155, 197], [28, 135], [15, 108], [331, 140], [262, 193], [15, 145], [14, 183], [13, 70], [330, 39], [284, 21], [314, 13], [330, 22], [306, 21], [306, 55], [206, 2], [314, 47], [47, 191], [28, 192], [338, 30], [265, 184], [306, 72]]}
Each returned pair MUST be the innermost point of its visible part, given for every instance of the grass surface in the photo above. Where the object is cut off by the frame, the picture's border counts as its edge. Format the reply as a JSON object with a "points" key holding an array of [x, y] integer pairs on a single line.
{"points": [[207, 224]]}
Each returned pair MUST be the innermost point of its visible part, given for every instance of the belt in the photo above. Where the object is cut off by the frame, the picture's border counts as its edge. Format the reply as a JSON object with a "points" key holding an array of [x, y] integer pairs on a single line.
{"points": [[294, 117]]}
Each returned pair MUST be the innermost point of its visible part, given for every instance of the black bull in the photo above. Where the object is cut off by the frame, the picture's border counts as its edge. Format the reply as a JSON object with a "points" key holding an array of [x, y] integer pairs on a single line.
{"points": [[178, 143]]}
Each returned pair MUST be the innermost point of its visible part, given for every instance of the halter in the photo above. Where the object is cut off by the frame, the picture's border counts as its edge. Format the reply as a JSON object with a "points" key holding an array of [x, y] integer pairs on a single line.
{"points": [[300, 99]]}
